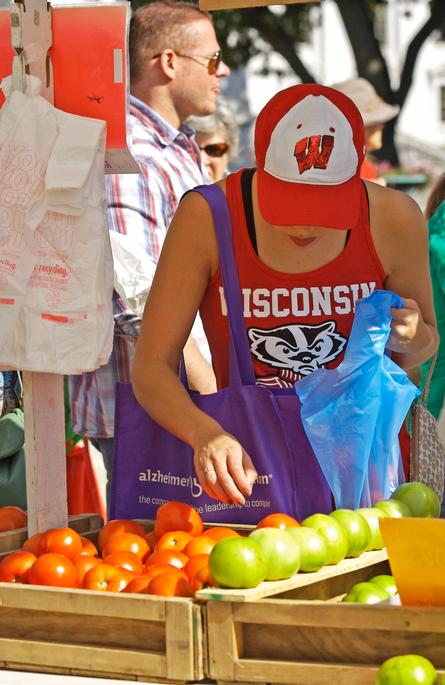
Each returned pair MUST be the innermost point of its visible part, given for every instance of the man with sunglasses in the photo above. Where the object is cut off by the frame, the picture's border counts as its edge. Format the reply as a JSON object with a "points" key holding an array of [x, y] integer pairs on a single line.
{"points": [[175, 68]]}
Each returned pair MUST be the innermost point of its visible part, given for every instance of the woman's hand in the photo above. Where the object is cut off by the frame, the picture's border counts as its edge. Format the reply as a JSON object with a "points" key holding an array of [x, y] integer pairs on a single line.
{"points": [[408, 329], [409, 332], [224, 469]]}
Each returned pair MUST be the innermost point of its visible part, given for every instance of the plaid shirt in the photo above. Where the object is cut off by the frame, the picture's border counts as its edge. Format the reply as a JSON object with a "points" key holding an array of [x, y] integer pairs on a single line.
{"points": [[141, 205]]}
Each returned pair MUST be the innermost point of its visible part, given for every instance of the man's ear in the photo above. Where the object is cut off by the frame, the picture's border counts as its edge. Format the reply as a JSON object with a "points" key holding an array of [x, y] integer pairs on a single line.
{"points": [[168, 62]]}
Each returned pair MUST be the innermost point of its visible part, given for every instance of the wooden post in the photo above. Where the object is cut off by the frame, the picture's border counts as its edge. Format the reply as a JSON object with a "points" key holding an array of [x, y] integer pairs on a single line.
{"points": [[43, 392], [45, 451]]}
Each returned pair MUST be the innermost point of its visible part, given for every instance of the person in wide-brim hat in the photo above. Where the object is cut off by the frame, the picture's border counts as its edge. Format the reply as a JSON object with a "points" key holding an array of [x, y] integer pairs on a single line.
{"points": [[375, 114]]}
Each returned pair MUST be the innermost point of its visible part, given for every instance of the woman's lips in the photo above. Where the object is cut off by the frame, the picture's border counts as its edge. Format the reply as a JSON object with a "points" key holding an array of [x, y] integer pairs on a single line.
{"points": [[301, 242]]}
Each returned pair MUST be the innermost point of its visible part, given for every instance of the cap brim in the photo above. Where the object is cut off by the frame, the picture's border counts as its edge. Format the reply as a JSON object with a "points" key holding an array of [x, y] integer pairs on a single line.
{"points": [[300, 204]]}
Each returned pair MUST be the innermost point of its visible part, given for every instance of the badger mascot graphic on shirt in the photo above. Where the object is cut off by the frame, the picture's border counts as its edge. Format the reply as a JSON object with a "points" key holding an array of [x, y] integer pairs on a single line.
{"points": [[296, 350]]}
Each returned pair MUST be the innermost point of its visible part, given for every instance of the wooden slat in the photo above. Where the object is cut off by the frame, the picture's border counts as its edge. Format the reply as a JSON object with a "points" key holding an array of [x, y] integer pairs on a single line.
{"points": [[82, 523], [299, 580], [222, 644], [199, 638], [382, 617], [301, 673], [179, 647], [91, 659], [83, 602]]}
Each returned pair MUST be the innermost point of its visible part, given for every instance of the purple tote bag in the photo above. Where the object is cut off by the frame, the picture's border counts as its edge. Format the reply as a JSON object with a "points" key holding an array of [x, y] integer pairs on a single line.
{"points": [[151, 466]]}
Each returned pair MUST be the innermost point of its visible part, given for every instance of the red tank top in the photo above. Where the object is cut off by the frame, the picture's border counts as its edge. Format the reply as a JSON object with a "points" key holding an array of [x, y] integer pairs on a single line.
{"points": [[295, 323]]}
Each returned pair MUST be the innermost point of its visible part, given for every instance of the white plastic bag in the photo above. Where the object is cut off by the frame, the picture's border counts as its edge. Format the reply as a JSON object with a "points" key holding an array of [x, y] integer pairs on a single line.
{"points": [[133, 271], [56, 274]]}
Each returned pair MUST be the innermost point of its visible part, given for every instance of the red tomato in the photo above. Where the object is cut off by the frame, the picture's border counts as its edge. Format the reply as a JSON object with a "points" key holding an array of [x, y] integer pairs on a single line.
{"points": [[12, 517], [201, 544], [126, 560], [177, 516], [197, 569], [107, 578], [277, 520], [140, 583], [219, 532], [83, 563], [60, 541], [201, 579], [174, 539], [15, 567], [53, 569], [127, 542], [170, 584], [32, 544], [89, 549], [196, 562], [167, 556], [117, 526]]}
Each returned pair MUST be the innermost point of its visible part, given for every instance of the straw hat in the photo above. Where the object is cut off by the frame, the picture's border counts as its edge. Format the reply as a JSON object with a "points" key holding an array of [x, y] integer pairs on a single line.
{"points": [[373, 109]]}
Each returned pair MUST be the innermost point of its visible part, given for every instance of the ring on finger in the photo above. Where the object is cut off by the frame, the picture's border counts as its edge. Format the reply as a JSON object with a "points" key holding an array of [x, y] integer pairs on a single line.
{"points": [[206, 469]]}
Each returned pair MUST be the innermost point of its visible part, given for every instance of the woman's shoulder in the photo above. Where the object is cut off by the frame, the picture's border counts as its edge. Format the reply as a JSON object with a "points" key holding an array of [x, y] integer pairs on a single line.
{"points": [[382, 197], [397, 224], [393, 212]]}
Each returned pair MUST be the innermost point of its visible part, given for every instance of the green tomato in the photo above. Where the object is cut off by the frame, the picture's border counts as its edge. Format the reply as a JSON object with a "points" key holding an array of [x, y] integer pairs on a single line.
{"points": [[365, 593], [237, 562], [357, 529], [281, 552], [372, 515], [313, 548], [333, 533], [386, 582], [421, 499], [393, 508], [407, 669]]}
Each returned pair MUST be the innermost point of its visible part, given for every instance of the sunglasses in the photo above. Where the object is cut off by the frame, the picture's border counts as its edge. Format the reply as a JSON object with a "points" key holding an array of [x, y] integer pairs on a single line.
{"points": [[213, 61], [216, 149]]}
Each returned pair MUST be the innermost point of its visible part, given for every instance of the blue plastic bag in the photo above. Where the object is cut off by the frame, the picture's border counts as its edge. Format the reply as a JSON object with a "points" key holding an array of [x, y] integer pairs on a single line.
{"points": [[352, 414]]}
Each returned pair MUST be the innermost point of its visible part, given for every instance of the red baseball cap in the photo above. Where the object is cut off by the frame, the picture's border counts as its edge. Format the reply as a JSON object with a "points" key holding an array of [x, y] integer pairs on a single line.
{"points": [[309, 147]]}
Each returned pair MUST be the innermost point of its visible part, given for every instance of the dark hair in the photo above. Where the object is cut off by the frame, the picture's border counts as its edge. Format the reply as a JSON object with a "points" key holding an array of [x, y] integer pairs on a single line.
{"points": [[159, 25], [436, 197]]}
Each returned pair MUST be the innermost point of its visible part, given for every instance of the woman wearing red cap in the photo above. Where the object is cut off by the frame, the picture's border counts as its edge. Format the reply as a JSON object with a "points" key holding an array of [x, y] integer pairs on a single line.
{"points": [[309, 239]]}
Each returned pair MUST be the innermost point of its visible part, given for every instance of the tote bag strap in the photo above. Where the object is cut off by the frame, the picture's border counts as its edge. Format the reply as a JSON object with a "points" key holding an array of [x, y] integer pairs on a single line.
{"points": [[240, 361], [241, 367]]}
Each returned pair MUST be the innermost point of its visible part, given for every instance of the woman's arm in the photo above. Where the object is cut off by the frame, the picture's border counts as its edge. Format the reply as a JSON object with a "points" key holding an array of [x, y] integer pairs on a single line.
{"points": [[401, 239], [188, 259]]}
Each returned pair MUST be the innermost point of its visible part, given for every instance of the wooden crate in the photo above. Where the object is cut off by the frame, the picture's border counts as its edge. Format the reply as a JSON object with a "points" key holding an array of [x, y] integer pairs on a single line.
{"points": [[293, 638], [88, 633], [14, 539]]}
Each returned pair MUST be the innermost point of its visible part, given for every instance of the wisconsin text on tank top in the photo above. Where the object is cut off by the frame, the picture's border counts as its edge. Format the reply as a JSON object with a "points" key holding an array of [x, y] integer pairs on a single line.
{"points": [[295, 323]]}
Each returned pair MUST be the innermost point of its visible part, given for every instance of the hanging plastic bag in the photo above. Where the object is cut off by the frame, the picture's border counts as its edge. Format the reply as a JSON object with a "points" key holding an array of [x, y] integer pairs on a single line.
{"points": [[133, 271], [56, 268], [352, 414]]}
